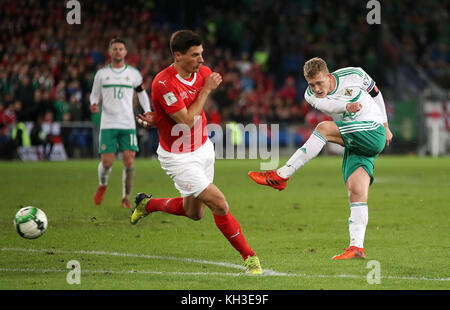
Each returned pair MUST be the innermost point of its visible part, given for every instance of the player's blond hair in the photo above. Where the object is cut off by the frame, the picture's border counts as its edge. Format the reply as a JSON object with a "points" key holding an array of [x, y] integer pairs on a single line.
{"points": [[314, 66]]}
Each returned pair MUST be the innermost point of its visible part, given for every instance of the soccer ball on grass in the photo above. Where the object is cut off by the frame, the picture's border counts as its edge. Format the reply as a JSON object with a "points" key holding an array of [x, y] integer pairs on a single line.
{"points": [[30, 222]]}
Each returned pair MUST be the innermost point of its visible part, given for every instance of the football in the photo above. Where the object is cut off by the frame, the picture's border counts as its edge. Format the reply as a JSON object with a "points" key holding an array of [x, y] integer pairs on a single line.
{"points": [[30, 222]]}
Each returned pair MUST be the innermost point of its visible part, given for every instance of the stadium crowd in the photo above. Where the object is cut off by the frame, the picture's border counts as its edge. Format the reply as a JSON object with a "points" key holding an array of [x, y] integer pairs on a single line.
{"points": [[259, 46]]}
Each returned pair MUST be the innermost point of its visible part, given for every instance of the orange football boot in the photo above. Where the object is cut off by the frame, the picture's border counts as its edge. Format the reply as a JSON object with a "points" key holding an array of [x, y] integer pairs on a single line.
{"points": [[351, 252], [126, 203], [99, 193], [268, 178]]}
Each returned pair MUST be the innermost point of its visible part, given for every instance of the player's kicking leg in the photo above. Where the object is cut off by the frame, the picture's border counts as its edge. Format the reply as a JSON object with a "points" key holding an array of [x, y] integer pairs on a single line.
{"points": [[326, 131]]}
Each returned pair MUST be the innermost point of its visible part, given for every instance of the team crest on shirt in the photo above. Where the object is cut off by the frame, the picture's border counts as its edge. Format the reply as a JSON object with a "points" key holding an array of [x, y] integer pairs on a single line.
{"points": [[127, 78], [348, 92], [184, 95]]}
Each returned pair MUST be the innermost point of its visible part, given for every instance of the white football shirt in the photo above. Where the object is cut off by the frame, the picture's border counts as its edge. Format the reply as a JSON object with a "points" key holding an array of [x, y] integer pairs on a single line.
{"points": [[353, 84], [116, 87]]}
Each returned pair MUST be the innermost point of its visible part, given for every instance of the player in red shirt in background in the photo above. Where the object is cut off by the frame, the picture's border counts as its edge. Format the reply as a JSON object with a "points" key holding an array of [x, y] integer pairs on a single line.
{"points": [[179, 93]]}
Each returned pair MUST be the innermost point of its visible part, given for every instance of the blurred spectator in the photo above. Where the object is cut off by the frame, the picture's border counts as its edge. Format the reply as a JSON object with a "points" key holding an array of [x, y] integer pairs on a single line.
{"points": [[8, 118], [61, 108], [259, 47], [76, 108], [28, 97]]}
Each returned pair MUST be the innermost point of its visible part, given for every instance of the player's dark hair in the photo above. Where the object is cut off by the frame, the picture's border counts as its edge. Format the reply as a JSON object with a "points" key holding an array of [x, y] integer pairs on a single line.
{"points": [[182, 40], [117, 40]]}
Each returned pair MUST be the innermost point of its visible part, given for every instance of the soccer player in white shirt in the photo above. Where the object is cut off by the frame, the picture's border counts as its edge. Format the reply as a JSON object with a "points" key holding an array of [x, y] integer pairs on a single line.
{"points": [[115, 85], [359, 124]]}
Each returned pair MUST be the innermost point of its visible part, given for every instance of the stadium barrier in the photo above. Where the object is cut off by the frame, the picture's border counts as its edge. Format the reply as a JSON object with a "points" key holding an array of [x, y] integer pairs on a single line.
{"points": [[437, 127]]}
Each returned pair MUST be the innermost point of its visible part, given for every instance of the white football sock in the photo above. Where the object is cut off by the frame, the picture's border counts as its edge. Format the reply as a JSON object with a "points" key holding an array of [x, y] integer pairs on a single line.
{"points": [[103, 174], [127, 181], [310, 149], [357, 222]]}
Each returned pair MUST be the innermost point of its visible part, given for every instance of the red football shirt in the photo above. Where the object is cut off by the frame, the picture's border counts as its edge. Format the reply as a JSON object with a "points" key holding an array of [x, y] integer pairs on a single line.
{"points": [[171, 93]]}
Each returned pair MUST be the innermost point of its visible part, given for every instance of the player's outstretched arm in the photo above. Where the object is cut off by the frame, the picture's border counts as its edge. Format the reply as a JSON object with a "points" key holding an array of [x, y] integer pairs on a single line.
{"points": [[326, 105]]}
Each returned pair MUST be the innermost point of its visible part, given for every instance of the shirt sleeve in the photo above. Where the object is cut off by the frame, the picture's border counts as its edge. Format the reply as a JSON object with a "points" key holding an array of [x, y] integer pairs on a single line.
{"points": [[380, 102], [326, 105], [206, 71], [96, 89], [168, 97], [137, 81], [366, 83], [144, 101]]}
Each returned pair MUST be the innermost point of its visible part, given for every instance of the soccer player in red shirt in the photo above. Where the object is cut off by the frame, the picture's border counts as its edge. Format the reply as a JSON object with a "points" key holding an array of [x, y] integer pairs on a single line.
{"points": [[179, 93]]}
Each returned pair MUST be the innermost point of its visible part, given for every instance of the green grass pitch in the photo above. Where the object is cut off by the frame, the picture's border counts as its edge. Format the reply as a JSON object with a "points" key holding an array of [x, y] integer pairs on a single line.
{"points": [[294, 232]]}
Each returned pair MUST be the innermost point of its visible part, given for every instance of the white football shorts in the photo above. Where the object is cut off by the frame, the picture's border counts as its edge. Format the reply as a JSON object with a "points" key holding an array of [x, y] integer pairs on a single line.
{"points": [[191, 172]]}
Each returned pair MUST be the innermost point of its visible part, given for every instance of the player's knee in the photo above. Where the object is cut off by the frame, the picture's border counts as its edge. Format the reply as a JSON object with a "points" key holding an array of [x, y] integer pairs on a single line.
{"points": [[107, 164], [321, 126], [356, 193], [325, 127], [128, 160], [196, 216], [128, 163], [330, 131], [221, 207]]}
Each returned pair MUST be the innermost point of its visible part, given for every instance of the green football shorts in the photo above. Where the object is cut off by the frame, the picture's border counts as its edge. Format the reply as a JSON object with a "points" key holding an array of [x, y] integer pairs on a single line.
{"points": [[112, 140], [364, 141]]}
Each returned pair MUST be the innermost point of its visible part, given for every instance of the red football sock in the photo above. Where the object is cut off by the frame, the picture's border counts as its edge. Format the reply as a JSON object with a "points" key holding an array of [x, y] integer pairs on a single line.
{"points": [[168, 205], [231, 229]]}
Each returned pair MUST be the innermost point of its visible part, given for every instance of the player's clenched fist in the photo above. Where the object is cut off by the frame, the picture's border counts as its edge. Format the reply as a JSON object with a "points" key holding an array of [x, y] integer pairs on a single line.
{"points": [[354, 107], [147, 119], [213, 81]]}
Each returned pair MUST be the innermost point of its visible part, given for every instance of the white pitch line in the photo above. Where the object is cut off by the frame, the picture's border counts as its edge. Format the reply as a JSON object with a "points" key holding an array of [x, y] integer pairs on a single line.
{"points": [[266, 272], [213, 274], [123, 272], [188, 260]]}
